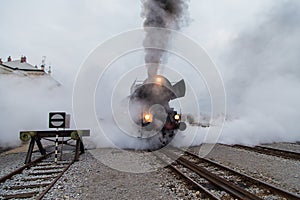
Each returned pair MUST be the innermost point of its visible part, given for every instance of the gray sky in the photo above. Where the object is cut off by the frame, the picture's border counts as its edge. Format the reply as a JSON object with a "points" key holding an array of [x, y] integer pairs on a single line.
{"points": [[66, 31], [254, 43]]}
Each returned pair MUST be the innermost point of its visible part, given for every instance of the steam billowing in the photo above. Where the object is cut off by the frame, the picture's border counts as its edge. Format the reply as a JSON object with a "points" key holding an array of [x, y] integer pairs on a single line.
{"points": [[25, 103], [261, 74], [262, 79], [170, 14]]}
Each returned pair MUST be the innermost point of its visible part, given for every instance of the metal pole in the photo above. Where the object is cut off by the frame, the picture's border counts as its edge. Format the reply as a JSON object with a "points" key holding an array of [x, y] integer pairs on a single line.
{"points": [[61, 148], [56, 146]]}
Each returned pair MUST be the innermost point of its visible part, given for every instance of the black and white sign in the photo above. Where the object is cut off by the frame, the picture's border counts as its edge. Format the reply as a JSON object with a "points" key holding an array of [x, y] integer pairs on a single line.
{"points": [[57, 120]]}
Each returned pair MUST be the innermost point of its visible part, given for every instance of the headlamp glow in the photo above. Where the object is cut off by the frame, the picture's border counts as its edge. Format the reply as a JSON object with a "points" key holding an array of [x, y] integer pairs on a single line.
{"points": [[176, 117], [148, 117]]}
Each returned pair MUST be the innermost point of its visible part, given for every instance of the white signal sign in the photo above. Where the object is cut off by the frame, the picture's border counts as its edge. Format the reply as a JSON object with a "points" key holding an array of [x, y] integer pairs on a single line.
{"points": [[57, 120]]}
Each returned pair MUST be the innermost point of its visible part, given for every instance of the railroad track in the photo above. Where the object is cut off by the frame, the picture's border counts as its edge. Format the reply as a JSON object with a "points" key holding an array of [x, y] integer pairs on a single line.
{"points": [[220, 182], [34, 179], [271, 151]]}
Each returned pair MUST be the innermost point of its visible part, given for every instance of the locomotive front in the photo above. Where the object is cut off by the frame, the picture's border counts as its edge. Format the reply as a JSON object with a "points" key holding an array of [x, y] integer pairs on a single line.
{"points": [[150, 107]]}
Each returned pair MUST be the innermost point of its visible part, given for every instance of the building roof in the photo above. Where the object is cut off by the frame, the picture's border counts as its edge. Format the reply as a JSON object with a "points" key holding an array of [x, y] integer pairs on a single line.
{"points": [[4, 70], [18, 65]]}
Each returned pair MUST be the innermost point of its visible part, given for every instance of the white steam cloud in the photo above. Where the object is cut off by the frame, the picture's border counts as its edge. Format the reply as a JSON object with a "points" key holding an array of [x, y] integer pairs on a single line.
{"points": [[262, 77], [261, 74], [25, 104]]}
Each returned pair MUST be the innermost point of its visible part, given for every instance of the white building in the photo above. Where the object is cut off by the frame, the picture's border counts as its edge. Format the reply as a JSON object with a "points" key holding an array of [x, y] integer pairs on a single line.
{"points": [[21, 67]]}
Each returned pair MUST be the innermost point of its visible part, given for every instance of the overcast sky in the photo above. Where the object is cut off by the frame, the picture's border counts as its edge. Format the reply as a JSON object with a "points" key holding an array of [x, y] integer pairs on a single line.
{"points": [[66, 31], [254, 43]]}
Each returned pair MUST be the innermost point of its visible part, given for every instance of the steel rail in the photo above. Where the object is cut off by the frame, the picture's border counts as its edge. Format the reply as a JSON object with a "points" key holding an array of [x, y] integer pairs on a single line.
{"points": [[20, 170], [190, 180], [40, 194], [53, 182], [266, 185], [271, 151], [214, 179]]}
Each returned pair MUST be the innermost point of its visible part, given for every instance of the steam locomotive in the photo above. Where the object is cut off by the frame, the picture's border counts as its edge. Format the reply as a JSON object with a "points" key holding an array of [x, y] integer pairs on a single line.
{"points": [[150, 109]]}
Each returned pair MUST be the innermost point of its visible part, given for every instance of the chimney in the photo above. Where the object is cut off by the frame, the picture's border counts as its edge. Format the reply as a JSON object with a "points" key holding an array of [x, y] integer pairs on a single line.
{"points": [[8, 59], [1, 61], [43, 67], [23, 59]]}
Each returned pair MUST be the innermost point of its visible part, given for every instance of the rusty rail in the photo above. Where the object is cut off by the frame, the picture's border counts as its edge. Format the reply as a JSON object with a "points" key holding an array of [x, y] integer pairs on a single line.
{"points": [[20, 170], [271, 151], [43, 187], [266, 185], [214, 179], [206, 192]]}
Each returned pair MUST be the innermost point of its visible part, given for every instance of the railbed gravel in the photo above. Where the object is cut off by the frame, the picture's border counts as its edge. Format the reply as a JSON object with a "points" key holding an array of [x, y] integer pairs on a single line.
{"points": [[281, 172], [90, 179], [11, 162], [285, 146]]}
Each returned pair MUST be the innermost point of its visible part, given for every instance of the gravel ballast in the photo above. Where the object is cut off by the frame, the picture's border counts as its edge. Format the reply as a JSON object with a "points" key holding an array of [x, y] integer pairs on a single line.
{"points": [[106, 174], [284, 173], [91, 179]]}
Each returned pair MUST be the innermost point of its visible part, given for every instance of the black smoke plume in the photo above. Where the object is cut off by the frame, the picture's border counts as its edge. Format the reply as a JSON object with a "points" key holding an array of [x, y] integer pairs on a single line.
{"points": [[170, 14]]}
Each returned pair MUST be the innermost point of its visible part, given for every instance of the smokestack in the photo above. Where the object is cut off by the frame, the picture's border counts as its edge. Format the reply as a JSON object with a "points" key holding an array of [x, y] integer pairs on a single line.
{"points": [[43, 67], [1, 61], [8, 59], [170, 14]]}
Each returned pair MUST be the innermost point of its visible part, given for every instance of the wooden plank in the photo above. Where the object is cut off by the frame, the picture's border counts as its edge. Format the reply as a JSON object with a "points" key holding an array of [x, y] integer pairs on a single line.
{"points": [[20, 187], [61, 133], [20, 195]]}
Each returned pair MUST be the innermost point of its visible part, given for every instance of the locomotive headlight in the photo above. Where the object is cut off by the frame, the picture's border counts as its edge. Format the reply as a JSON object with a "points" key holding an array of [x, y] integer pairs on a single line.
{"points": [[158, 80], [177, 117], [148, 117]]}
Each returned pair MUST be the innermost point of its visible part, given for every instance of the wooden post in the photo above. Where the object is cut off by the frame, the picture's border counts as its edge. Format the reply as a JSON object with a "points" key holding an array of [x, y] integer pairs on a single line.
{"points": [[40, 146], [81, 147], [77, 150], [30, 149]]}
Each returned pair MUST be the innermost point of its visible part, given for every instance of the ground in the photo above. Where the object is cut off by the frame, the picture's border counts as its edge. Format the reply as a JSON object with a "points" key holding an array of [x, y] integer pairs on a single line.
{"points": [[117, 174]]}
